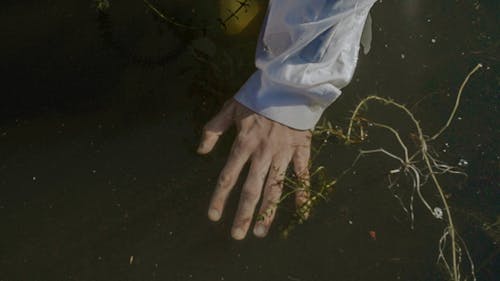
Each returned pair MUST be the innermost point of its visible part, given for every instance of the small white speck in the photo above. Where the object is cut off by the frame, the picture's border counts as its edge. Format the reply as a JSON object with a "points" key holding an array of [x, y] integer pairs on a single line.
{"points": [[433, 40], [94, 171], [459, 118], [403, 56], [463, 163], [34, 178], [428, 20], [438, 213], [350, 221]]}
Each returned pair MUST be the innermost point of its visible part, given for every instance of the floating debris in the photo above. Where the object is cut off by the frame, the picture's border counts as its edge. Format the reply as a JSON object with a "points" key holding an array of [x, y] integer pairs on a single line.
{"points": [[102, 5], [438, 213], [463, 163]]}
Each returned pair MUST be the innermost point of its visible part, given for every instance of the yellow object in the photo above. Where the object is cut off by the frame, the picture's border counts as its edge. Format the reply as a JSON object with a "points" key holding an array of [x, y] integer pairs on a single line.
{"points": [[236, 14]]}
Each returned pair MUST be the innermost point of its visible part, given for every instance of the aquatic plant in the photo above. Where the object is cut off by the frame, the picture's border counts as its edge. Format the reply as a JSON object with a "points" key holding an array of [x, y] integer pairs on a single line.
{"points": [[169, 27], [420, 164], [421, 167], [174, 42], [241, 7], [101, 5]]}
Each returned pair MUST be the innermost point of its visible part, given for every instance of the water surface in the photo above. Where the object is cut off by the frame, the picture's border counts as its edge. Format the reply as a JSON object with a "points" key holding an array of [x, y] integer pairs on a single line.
{"points": [[100, 115]]}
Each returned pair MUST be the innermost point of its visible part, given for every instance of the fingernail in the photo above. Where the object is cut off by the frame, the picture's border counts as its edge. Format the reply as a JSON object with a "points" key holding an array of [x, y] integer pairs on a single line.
{"points": [[259, 230], [238, 234], [213, 214]]}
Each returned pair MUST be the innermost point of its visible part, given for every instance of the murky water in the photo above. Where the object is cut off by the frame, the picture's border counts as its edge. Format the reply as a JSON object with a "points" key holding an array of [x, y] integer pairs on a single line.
{"points": [[101, 113]]}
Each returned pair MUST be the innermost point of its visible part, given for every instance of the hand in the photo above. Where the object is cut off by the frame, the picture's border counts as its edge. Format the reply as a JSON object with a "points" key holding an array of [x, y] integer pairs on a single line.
{"points": [[270, 147]]}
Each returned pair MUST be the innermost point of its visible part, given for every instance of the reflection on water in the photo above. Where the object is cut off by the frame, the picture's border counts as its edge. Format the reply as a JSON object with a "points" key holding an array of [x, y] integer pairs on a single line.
{"points": [[100, 116]]}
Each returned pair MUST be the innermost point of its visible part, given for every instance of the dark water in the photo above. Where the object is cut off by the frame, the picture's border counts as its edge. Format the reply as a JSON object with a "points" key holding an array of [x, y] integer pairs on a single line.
{"points": [[100, 114]]}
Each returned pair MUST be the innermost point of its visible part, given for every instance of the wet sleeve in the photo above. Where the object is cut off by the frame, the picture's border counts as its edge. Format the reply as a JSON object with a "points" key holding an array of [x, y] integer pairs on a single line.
{"points": [[306, 53]]}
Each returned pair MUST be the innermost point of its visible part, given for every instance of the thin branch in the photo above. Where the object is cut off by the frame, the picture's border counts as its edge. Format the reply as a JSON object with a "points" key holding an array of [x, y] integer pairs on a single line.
{"points": [[457, 102]]}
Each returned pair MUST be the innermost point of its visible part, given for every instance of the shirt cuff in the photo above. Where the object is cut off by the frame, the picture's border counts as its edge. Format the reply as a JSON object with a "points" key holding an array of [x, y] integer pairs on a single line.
{"points": [[297, 108]]}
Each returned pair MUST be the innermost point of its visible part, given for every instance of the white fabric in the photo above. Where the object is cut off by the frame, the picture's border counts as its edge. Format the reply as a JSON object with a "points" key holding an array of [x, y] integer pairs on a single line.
{"points": [[307, 51]]}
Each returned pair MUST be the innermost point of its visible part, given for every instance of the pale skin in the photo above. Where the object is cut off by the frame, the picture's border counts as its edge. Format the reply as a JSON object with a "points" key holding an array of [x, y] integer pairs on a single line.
{"points": [[269, 147]]}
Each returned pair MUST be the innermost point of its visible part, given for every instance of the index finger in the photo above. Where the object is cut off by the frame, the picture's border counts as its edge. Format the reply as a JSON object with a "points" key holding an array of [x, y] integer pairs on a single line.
{"points": [[240, 153]]}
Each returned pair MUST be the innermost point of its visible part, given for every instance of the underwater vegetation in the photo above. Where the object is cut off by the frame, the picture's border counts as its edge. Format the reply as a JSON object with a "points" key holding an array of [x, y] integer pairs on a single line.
{"points": [[172, 34], [419, 163], [416, 160]]}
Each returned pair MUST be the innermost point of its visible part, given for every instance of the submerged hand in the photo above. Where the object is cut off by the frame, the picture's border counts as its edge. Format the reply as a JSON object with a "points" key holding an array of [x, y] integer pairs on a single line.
{"points": [[270, 147]]}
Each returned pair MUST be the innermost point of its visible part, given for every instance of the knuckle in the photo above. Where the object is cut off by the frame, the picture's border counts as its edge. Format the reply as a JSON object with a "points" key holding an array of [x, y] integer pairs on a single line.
{"points": [[302, 171], [303, 194], [243, 140], [225, 180], [242, 145], [250, 195], [275, 187], [303, 151], [302, 198]]}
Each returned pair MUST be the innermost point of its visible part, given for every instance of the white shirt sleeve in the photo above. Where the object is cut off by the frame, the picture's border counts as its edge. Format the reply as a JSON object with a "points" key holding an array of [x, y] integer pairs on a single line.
{"points": [[307, 51]]}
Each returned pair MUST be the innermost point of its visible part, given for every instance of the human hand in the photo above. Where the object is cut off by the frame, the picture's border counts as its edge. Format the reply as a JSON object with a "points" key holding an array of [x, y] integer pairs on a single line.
{"points": [[270, 147]]}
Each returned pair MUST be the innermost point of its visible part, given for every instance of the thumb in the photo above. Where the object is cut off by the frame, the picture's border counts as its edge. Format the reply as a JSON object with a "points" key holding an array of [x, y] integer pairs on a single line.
{"points": [[215, 128]]}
